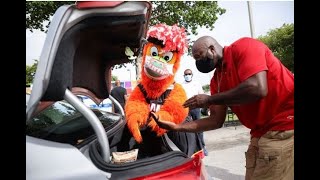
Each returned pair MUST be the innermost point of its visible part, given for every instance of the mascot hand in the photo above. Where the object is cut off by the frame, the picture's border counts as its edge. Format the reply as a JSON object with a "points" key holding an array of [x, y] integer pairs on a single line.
{"points": [[135, 122], [154, 126]]}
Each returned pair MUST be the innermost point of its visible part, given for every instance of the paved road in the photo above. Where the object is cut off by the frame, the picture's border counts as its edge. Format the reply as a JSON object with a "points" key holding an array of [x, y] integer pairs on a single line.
{"points": [[226, 147]]}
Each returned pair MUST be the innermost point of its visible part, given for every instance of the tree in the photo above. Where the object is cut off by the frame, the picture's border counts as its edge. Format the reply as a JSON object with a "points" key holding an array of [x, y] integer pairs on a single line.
{"points": [[30, 72], [190, 14], [39, 12], [281, 42], [114, 78], [206, 88]]}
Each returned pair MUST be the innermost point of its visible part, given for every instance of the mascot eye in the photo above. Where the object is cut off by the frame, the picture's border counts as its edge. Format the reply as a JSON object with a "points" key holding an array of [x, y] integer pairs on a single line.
{"points": [[168, 56], [154, 51]]}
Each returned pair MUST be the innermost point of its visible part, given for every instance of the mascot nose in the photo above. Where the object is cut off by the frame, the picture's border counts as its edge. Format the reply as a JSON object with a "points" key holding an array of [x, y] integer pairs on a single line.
{"points": [[157, 64]]}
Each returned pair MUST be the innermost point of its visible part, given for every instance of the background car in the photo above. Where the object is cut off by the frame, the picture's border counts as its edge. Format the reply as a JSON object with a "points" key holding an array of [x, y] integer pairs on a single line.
{"points": [[65, 139], [205, 111]]}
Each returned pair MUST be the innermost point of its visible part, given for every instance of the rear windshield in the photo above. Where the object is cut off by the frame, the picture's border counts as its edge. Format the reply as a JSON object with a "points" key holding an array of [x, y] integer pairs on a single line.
{"points": [[61, 122]]}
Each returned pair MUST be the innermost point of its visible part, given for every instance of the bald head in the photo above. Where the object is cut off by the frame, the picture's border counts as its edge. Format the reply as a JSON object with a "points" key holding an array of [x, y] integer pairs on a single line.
{"points": [[117, 83], [204, 42], [187, 71], [207, 46]]}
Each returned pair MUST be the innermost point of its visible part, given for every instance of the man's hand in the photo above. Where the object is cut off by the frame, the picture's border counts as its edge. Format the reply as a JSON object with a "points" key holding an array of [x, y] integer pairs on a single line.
{"points": [[197, 101], [164, 124]]}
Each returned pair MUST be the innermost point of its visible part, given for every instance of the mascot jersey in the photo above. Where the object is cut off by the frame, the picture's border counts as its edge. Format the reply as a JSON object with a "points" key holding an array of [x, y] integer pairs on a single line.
{"points": [[157, 90]]}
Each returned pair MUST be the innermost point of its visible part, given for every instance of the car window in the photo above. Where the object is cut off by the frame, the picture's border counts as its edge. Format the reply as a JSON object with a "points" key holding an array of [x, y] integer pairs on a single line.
{"points": [[61, 122]]}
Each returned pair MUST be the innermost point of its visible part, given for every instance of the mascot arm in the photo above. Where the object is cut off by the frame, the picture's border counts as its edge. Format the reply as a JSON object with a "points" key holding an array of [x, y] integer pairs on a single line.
{"points": [[137, 112], [172, 110]]}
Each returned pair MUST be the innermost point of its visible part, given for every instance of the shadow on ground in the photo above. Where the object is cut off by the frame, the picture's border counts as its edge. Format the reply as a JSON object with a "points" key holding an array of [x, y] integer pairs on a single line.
{"points": [[223, 174]]}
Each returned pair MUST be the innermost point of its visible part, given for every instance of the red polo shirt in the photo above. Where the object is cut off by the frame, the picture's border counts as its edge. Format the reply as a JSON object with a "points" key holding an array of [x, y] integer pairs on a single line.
{"points": [[244, 58]]}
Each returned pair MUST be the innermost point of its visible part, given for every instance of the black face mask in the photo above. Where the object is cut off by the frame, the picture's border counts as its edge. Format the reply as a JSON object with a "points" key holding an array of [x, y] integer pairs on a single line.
{"points": [[205, 65]]}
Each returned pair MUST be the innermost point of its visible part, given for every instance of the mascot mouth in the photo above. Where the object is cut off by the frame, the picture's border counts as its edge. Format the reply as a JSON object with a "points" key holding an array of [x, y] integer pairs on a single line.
{"points": [[157, 70]]}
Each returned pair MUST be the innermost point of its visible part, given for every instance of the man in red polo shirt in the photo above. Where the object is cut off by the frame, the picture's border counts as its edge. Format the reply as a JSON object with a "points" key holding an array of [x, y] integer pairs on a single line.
{"points": [[259, 89]]}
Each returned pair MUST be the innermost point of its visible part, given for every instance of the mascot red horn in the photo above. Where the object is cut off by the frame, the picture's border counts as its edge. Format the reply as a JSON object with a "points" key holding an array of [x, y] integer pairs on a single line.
{"points": [[157, 92]]}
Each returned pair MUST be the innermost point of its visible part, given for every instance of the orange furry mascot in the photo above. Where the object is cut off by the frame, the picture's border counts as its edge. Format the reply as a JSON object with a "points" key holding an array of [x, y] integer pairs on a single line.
{"points": [[157, 90]]}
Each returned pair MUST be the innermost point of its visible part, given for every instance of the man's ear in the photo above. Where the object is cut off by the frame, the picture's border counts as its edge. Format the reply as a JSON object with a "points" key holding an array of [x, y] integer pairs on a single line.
{"points": [[213, 50]]}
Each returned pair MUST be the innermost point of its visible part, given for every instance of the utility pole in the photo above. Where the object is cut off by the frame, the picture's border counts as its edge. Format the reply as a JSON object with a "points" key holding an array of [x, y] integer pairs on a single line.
{"points": [[250, 19]]}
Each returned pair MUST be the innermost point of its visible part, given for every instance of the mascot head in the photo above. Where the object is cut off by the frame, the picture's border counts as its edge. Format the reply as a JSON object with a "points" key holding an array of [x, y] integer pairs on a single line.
{"points": [[162, 53]]}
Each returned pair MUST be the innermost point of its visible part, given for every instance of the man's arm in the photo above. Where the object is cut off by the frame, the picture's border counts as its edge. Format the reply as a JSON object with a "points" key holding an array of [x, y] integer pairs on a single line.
{"points": [[252, 89], [214, 121]]}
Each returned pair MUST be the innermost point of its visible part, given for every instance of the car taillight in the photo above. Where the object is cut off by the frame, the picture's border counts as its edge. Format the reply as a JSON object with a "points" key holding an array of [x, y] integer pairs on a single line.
{"points": [[192, 170], [199, 153], [96, 4]]}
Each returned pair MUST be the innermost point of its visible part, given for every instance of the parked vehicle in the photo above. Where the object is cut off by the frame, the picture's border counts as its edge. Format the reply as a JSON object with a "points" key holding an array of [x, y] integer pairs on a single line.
{"points": [[205, 111], [65, 139]]}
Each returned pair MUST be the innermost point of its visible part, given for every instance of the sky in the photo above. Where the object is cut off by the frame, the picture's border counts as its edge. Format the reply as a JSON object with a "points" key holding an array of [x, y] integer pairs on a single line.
{"points": [[229, 27]]}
